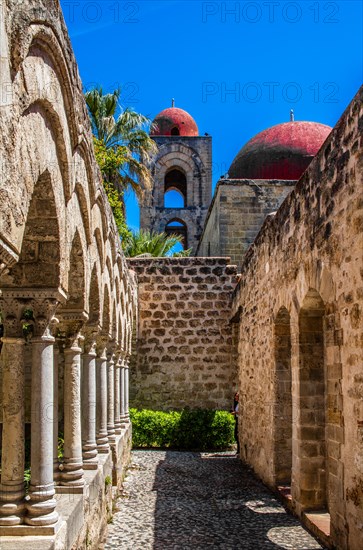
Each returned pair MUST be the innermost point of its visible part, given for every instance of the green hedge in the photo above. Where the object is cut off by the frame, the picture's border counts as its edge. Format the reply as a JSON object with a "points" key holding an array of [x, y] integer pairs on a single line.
{"points": [[187, 430]]}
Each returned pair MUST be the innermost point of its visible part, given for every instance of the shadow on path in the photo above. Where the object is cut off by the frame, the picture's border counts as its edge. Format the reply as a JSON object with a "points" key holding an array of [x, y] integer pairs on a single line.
{"points": [[206, 500]]}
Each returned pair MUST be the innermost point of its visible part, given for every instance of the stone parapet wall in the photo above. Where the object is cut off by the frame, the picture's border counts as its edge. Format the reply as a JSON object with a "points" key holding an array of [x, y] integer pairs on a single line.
{"points": [[184, 355], [237, 213], [300, 303]]}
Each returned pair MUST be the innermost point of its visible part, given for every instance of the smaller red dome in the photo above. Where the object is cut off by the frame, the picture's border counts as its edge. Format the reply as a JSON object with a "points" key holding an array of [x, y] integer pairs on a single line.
{"points": [[282, 152], [174, 122]]}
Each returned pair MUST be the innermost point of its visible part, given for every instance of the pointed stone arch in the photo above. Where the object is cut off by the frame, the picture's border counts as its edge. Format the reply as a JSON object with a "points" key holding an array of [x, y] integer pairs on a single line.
{"points": [[310, 478], [53, 123], [77, 277], [84, 210], [94, 302], [40, 256]]}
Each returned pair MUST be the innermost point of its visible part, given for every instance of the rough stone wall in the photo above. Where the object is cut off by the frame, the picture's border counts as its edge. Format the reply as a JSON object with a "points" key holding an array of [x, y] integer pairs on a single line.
{"points": [[237, 212], [300, 302], [184, 355], [193, 157]]}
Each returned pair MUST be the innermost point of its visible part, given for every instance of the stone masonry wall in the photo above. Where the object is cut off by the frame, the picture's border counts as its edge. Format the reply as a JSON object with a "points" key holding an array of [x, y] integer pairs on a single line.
{"points": [[237, 213], [184, 355], [300, 302]]}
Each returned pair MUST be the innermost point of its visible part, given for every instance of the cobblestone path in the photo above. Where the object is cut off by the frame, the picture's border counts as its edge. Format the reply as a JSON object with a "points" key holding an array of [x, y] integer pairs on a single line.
{"points": [[182, 501]]}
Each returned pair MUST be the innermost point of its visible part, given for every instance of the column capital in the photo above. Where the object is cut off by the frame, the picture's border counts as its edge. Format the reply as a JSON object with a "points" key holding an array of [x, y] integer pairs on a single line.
{"points": [[28, 305], [90, 334], [102, 344], [71, 323]]}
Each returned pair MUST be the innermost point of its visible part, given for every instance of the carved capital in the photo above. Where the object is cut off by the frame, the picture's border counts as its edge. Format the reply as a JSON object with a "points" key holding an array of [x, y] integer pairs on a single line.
{"points": [[101, 344], [90, 334], [35, 307], [71, 322]]}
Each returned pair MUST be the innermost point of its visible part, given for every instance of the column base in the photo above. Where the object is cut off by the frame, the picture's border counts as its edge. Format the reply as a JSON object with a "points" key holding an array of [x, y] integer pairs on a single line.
{"points": [[30, 530], [89, 455], [12, 503], [112, 439], [72, 474], [12, 513], [40, 506], [102, 443]]}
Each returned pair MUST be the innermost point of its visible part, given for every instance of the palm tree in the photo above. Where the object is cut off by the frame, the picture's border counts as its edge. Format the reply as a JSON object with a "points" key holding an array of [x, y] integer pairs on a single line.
{"points": [[148, 244], [126, 136]]}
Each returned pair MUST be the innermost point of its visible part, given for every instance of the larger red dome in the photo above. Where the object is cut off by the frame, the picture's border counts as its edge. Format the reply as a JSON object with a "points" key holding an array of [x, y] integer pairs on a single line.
{"points": [[174, 122], [281, 152]]}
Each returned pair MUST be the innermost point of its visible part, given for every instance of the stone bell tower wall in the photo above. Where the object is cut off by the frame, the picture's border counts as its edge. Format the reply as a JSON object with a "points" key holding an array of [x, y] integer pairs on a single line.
{"points": [[192, 156]]}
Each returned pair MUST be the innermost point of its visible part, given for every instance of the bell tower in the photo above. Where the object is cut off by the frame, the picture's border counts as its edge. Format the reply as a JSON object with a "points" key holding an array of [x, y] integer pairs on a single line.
{"points": [[182, 178]]}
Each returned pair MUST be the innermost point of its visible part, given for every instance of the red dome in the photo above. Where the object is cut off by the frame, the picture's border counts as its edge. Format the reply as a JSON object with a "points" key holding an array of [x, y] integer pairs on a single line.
{"points": [[174, 122], [281, 152]]}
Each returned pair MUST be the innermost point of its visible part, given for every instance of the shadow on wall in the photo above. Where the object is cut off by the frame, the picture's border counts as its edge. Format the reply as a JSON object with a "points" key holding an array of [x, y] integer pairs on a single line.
{"points": [[213, 501]]}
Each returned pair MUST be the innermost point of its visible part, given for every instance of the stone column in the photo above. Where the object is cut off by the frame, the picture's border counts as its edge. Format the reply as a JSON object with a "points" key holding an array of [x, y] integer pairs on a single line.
{"points": [[101, 401], [126, 383], [72, 474], [111, 398], [12, 490], [56, 472], [41, 504], [89, 445], [118, 429], [122, 392]]}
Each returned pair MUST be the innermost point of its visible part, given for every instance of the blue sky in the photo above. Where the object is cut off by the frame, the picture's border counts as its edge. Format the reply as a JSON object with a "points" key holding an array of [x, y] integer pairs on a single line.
{"points": [[236, 67]]}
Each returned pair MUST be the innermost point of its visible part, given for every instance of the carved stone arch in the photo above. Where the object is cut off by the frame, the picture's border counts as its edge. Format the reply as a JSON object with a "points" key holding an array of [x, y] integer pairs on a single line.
{"points": [[181, 161], [76, 275], [94, 301], [84, 210], [114, 321], [117, 290], [120, 266], [102, 204], [100, 246], [51, 118], [84, 152], [180, 230], [178, 151], [106, 310], [45, 38], [40, 255], [123, 332], [119, 334], [122, 298], [110, 273], [112, 239]]}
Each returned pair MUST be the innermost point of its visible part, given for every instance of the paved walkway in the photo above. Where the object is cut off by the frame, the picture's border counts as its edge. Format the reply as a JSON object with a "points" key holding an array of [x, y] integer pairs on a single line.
{"points": [[192, 501]]}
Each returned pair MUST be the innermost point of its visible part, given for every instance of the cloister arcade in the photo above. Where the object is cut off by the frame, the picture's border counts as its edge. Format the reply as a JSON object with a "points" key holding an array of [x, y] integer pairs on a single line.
{"points": [[67, 298]]}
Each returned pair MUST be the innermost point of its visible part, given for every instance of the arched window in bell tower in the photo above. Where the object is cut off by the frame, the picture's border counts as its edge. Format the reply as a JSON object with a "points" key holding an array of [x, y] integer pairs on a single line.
{"points": [[175, 189], [178, 227]]}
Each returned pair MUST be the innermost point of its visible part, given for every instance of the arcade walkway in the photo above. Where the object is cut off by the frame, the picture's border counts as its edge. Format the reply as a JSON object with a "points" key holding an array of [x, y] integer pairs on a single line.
{"points": [[182, 501]]}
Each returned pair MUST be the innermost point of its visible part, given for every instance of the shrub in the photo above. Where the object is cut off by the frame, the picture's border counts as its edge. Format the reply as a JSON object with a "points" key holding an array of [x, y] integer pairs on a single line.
{"points": [[187, 430]]}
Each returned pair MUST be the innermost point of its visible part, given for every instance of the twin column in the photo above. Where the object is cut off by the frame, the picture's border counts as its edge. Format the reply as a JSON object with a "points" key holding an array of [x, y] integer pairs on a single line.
{"points": [[88, 430]]}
